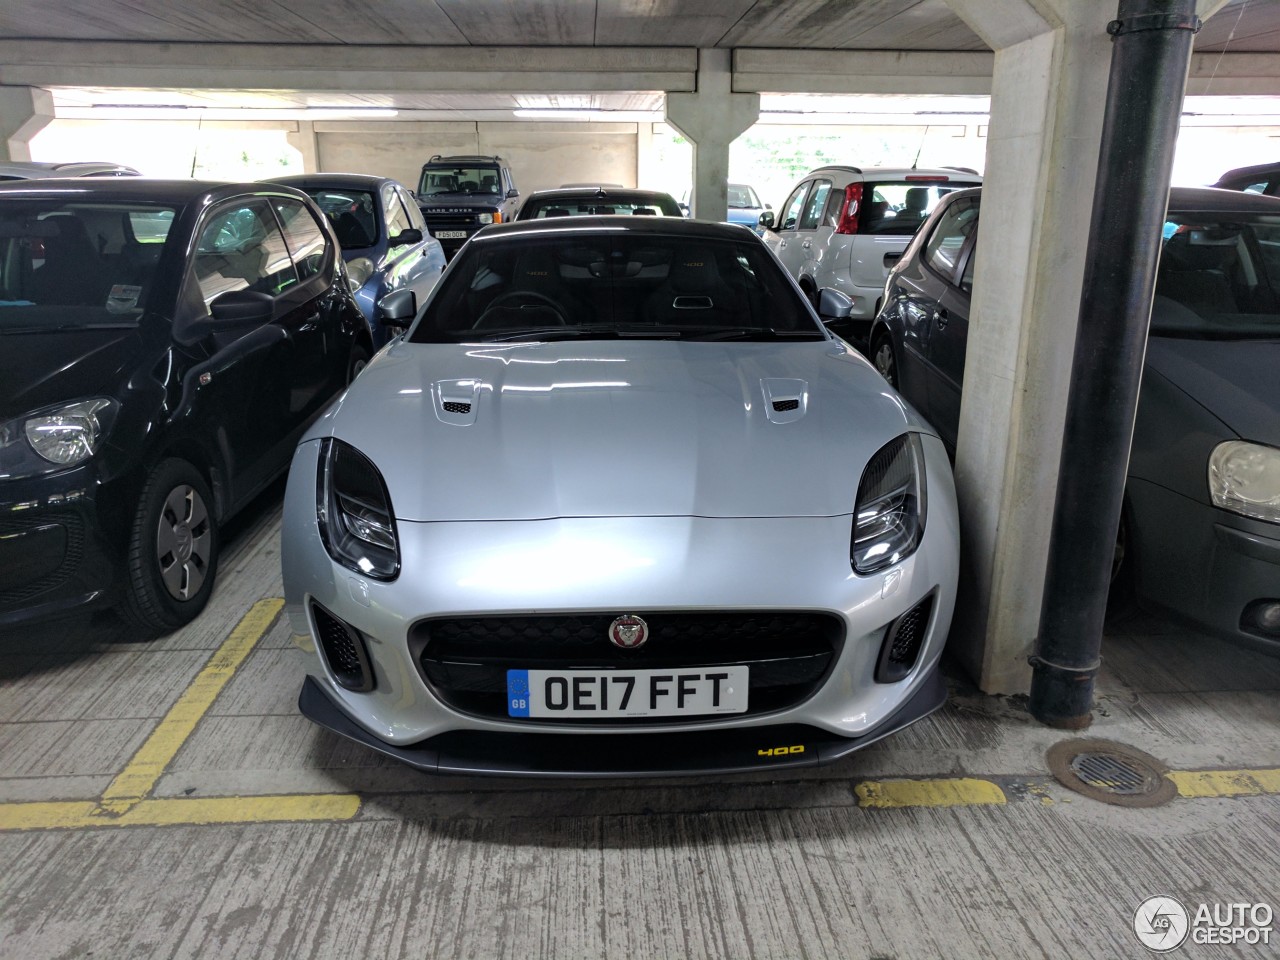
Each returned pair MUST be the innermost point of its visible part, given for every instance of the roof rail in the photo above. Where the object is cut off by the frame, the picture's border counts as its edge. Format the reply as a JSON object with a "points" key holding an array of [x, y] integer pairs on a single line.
{"points": [[837, 166], [464, 156], [963, 170]]}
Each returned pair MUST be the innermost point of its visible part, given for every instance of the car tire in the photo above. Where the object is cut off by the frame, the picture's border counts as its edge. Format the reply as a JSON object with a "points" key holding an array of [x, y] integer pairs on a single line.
{"points": [[172, 555], [1122, 596], [885, 360], [356, 363]]}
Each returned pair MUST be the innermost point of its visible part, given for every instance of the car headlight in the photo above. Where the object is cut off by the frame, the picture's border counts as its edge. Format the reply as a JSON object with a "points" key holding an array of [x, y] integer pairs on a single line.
{"points": [[485, 218], [353, 509], [889, 515], [1245, 479], [47, 440]]}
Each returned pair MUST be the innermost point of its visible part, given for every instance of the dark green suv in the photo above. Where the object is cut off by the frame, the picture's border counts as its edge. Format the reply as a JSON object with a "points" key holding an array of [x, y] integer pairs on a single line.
{"points": [[459, 195]]}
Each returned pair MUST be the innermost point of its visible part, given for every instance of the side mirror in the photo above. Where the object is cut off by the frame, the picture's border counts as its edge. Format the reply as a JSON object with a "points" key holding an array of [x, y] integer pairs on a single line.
{"points": [[684, 208], [235, 310], [397, 309], [768, 206], [411, 235], [766, 219], [834, 305], [512, 193]]}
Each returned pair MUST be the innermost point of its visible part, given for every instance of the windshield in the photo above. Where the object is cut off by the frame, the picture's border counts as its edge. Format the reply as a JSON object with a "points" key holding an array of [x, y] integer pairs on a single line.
{"points": [[596, 203], [468, 178], [352, 214], [1218, 277], [610, 284], [77, 263], [742, 197]]}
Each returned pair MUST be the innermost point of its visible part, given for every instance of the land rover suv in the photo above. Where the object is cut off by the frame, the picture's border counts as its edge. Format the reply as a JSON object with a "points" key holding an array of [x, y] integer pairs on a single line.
{"points": [[843, 228], [459, 195]]}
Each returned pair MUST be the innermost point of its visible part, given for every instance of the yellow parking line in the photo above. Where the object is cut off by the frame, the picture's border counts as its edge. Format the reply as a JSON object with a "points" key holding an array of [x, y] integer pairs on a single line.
{"points": [[1225, 783], [140, 775], [958, 792], [78, 815]]}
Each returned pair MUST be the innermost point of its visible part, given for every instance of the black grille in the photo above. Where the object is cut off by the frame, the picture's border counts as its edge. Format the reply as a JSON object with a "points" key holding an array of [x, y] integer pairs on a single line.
{"points": [[73, 531], [453, 406], [450, 221], [903, 641], [783, 406], [788, 653], [343, 650]]}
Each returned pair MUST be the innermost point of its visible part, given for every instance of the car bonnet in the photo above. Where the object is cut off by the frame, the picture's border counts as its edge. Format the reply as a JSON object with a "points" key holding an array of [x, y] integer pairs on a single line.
{"points": [[1235, 380], [619, 428]]}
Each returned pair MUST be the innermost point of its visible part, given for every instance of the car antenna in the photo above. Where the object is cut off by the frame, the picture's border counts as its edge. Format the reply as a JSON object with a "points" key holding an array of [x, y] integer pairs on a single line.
{"points": [[924, 136]]}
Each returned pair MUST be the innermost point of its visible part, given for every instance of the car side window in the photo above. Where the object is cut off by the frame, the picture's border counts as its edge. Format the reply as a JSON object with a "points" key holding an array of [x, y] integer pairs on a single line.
{"points": [[1256, 187], [393, 213], [835, 200], [241, 248], [942, 252], [411, 208], [791, 209], [817, 202], [966, 278], [305, 238]]}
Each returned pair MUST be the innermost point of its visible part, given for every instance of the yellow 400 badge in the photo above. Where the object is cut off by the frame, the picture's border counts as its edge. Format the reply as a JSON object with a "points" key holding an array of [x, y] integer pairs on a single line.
{"points": [[780, 751]]}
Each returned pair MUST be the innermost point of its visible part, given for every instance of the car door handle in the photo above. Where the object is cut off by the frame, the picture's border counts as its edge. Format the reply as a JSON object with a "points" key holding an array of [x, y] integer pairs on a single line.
{"points": [[807, 244], [781, 244], [311, 323], [891, 260], [940, 317]]}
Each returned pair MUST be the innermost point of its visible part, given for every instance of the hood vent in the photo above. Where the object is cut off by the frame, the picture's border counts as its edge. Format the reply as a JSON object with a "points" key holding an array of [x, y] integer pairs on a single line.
{"points": [[785, 400], [455, 401]]}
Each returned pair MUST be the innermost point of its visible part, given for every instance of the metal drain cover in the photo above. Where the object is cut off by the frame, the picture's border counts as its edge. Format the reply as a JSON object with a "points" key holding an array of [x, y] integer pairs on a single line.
{"points": [[1111, 772]]}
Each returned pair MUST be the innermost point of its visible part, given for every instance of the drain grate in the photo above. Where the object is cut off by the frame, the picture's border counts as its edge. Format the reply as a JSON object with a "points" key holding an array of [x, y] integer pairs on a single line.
{"points": [[1111, 772]]}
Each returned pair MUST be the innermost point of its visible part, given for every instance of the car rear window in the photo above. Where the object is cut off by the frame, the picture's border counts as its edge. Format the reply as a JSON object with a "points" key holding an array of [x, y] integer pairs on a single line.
{"points": [[595, 204], [1219, 277], [78, 263], [608, 284], [898, 207]]}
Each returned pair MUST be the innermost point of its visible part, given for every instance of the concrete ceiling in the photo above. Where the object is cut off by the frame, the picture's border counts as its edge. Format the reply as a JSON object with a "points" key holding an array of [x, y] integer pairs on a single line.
{"points": [[1240, 26]]}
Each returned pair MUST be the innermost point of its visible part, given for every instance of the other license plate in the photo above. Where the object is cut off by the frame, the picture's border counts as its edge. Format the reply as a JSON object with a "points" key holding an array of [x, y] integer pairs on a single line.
{"points": [[695, 691], [450, 234]]}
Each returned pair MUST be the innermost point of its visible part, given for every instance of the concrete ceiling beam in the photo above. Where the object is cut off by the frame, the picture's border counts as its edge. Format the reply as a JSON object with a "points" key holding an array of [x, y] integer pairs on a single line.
{"points": [[861, 71], [240, 66]]}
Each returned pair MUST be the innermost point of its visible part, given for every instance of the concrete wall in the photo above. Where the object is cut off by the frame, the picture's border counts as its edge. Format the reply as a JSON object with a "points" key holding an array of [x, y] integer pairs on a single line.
{"points": [[541, 154]]}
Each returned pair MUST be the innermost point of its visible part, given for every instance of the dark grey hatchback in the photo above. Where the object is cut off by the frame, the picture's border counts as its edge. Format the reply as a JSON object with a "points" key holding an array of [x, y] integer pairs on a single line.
{"points": [[162, 347], [1200, 530]]}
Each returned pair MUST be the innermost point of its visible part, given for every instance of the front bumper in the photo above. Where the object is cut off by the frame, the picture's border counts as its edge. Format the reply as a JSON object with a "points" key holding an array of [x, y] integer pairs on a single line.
{"points": [[1203, 563], [53, 555], [597, 565], [664, 754]]}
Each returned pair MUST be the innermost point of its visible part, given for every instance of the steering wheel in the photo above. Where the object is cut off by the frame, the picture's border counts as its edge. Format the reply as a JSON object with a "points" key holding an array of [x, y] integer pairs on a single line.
{"points": [[538, 299]]}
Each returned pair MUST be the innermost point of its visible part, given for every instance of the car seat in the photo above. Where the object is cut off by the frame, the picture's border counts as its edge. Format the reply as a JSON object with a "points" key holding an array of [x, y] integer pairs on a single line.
{"points": [[72, 272], [489, 184], [913, 212], [694, 293], [1195, 274], [351, 232]]}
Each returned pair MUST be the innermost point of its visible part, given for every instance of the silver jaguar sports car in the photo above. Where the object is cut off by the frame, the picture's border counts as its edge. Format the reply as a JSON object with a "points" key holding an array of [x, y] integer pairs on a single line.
{"points": [[618, 504]]}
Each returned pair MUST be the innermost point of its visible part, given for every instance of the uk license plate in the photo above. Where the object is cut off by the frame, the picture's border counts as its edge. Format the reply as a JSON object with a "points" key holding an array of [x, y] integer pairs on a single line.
{"points": [[684, 692], [450, 234]]}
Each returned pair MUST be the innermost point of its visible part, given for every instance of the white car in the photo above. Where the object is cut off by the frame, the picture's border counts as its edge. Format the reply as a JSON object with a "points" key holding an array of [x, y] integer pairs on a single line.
{"points": [[617, 504], [843, 229]]}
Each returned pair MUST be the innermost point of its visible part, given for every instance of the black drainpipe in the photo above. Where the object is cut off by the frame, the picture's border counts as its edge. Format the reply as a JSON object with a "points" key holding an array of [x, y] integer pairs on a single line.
{"points": [[1149, 59]]}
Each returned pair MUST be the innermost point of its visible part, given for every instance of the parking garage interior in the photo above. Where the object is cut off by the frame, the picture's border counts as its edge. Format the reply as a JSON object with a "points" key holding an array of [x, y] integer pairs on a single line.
{"points": [[164, 797]]}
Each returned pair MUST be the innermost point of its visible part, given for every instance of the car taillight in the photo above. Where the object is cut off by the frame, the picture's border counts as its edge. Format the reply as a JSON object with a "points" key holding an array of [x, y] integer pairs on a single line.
{"points": [[848, 220]]}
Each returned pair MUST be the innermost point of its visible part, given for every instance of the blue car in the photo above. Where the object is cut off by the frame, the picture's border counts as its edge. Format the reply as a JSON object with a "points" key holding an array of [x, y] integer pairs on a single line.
{"points": [[384, 241], [745, 206]]}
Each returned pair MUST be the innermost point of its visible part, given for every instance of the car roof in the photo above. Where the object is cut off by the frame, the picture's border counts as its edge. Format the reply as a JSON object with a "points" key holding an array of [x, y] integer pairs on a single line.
{"points": [[141, 188], [1245, 173], [1190, 199], [339, 181], [653, 226], [876, 173], [37, 169], [622, 193]]}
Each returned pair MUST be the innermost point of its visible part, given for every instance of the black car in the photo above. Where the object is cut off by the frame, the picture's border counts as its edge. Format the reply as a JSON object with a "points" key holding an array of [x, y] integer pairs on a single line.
{"points": [[459, 195], [162, 347], [1200, 529], [1262, 178], [596, 201]]}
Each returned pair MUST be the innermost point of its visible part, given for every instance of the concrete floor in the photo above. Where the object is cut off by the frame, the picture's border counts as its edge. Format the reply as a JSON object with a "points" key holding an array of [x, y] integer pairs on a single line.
{"points": [[407, 865]]}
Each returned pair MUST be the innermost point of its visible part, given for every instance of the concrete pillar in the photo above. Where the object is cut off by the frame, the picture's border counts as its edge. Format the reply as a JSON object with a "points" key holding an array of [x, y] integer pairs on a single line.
{"points": [[711, 118], [303, 139], [24, 112], [1048, 93]]}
